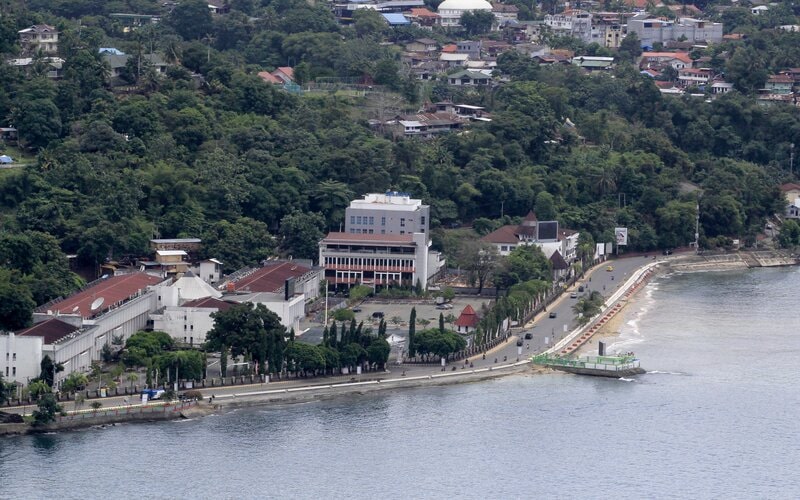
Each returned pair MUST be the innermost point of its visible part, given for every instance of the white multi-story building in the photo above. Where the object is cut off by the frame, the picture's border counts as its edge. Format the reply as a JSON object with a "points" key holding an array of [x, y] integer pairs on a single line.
{"points": [[389, 213], [651, 30], [450, 11], [39, 38], [574, 23]]}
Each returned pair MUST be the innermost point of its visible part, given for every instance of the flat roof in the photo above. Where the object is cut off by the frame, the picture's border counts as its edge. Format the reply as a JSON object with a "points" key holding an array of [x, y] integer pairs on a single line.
{"points": [[171, 253], [388, 239], [176, 240]]}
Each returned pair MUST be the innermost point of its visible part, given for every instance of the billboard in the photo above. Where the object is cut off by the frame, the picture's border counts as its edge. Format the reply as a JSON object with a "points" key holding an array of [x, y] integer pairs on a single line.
{"points": [[621, 234], [547, 231]]}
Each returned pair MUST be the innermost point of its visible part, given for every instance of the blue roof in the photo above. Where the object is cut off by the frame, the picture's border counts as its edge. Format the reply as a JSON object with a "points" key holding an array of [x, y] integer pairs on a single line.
{"points": [[396, 19]]}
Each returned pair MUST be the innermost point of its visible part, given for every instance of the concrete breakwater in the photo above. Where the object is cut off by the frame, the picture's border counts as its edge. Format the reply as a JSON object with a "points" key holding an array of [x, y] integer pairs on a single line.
{"points": [[736, 260]]}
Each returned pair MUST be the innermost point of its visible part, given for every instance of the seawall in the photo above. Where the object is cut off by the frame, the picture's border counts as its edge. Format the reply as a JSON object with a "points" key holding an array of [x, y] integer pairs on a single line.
{"points": [[734, 260], [109, 416], [320, 392]]}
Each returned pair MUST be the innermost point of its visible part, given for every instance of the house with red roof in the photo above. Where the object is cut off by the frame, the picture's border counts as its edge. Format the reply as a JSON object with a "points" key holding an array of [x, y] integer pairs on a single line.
{"points": [[547, 235], [467, 321]]}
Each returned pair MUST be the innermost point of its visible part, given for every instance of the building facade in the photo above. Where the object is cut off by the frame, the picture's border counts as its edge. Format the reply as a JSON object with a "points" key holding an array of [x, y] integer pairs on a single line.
{"points": [[651, 31], [39, 38], [389, 213]]}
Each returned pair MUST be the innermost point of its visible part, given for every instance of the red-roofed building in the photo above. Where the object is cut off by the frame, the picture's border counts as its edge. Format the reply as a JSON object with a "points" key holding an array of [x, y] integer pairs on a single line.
{"points": [[545, 234], [272, 278], [270, 78], [423, 16], [467, 321], [106, 312], [114, 291]]}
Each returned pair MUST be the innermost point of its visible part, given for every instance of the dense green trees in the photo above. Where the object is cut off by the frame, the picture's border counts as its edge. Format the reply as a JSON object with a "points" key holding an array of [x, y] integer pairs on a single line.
{"points": [[252, 331]]}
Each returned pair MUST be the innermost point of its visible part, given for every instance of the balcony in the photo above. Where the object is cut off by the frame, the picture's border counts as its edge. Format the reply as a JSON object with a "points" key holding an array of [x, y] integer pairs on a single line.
{"points": [[380, 269]]}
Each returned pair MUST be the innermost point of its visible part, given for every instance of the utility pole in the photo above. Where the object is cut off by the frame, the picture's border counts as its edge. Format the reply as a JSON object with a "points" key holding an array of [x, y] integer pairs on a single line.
{"points": [[697, 228], [502, 206], [791, 159]]}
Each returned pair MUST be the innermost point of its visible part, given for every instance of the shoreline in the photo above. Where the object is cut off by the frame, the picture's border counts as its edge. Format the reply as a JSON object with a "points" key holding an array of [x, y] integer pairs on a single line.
{"points": [[607, 328]]}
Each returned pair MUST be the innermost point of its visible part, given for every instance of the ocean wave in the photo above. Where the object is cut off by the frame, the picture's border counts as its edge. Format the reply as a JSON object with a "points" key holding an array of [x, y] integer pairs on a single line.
{"points": [[623, 379], [659, 372]]}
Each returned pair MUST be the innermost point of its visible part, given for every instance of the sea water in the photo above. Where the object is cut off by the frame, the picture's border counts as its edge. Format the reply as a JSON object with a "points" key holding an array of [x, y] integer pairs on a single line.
{"points": [[716, 417]]}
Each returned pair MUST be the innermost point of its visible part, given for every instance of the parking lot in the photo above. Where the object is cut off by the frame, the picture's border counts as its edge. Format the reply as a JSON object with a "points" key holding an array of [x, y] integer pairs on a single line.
{"points": [[398, 313]]}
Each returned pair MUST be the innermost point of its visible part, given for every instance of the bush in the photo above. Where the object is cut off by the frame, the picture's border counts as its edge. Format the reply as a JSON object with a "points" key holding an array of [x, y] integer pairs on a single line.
{"points": [[193, 394], [360, 292], [344, 315]]}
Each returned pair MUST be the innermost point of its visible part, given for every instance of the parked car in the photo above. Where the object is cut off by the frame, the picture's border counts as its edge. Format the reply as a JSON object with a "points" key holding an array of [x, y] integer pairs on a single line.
{"points": [[609, 268], [356, 309], [553, 314], [580, 288], [444, 306], [573, 295], [519, 343], [377, 314], [528, 336]]}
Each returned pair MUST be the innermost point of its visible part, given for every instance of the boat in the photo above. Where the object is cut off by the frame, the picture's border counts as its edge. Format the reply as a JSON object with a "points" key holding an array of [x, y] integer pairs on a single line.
{"points": [[599, 366]]}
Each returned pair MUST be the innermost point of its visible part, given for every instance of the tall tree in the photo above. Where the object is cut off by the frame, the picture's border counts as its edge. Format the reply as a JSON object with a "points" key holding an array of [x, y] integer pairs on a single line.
{"points": [[412, 326], [191, 19]]}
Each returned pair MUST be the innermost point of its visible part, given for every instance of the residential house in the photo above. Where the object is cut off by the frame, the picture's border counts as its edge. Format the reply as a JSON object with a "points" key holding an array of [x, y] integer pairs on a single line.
{"points": [[131, 22], [395, 19], [425, 45], [210, 270], [690, 76], [117, 64], [467, 321], [39, 38], [719, 87], [759, 9], [660, 60], [450, 11], [469, 78], [791, 191], [52, 65], [593, 63], [505, 13], [172, 262], [219, 6], [779, 85], [470, 47], [573, 23], [423, 17], [613, 35], [545, 234], [452, 60]]}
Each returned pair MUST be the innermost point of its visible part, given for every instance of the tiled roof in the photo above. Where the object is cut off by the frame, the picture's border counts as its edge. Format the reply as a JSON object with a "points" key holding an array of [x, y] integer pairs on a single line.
{"points": [[112, 290], [508, 234], [269, 77], [209, 303], [467, 318], [51, 329], [271, 278], [558, 261]]}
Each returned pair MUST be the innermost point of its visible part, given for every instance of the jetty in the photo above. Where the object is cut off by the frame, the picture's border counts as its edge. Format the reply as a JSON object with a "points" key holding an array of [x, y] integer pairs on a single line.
{"points": [[598, 366]]}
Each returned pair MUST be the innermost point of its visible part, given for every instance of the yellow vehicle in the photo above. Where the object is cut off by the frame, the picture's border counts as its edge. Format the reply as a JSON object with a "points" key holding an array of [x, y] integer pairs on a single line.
{"points": [[610, 268]]}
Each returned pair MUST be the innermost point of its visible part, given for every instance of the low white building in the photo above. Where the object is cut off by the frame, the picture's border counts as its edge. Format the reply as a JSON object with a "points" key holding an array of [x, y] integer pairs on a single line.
{"points": [[20, 357], [190, 322], [545, 234], [450, 11], [290, 310]]}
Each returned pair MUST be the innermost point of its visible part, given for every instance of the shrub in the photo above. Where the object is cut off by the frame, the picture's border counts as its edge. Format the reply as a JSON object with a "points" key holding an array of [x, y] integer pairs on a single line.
{"points": [[344, 315]]}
